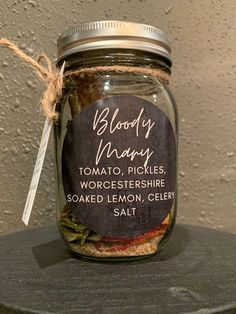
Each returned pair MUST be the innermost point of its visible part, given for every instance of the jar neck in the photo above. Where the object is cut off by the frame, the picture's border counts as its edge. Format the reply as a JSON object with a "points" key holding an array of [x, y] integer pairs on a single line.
{"points": [[110, 57]]}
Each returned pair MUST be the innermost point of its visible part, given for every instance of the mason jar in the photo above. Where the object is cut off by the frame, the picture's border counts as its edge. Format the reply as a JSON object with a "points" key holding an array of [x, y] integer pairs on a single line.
{"points": [[115, 141]]}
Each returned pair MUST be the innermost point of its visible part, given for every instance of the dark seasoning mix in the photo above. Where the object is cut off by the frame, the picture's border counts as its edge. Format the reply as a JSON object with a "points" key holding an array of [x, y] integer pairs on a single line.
{"points": [[116, 141]]}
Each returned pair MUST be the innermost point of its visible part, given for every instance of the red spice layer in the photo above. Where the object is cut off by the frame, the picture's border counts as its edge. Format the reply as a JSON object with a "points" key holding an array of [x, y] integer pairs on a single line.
{"points": [[117, 244]]}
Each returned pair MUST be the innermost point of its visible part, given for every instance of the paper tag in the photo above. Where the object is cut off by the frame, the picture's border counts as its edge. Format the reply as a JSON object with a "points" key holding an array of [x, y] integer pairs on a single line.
{"points": [[38, 166]]}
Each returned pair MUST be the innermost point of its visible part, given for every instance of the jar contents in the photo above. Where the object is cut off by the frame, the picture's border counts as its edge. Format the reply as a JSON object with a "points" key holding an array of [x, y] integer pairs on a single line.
{"points": [[86, 242]]}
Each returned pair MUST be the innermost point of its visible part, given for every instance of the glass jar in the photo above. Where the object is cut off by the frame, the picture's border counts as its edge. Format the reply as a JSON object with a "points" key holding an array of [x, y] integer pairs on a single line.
{"points": [[115, 141]]}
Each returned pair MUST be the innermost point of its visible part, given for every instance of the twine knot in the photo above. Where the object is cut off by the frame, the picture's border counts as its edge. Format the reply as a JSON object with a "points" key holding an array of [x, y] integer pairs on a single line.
{"points": [[47, 73]]}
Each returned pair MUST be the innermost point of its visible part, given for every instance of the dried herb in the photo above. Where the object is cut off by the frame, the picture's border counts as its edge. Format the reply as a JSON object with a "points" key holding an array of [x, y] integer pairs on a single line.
{"points": [[84, 237], [66, 222], [76, 232], [72, 236]]}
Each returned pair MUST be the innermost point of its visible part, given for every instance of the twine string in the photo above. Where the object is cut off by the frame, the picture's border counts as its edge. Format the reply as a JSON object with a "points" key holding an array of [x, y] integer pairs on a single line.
{"points": [[53, 79]]}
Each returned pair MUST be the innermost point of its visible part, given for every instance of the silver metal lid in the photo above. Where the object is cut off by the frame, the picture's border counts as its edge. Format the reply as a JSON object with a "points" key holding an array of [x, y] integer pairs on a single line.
{"points": [[113, 34]]}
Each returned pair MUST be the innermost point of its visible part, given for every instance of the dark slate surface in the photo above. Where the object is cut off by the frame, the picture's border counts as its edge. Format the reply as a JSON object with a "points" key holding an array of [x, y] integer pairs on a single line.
{"points": [[195, 273]]}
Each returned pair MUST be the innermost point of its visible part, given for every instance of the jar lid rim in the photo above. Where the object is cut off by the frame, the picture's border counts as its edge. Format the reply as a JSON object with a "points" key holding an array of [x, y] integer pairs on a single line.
{"points": [[113, 34]]}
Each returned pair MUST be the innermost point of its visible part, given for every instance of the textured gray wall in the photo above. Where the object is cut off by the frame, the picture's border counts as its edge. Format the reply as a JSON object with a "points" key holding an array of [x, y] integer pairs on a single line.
{"points": [[203, 36]]}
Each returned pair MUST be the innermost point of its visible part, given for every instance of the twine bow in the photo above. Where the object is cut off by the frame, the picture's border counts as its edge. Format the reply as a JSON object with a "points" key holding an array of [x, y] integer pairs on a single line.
{"points": [[51, 77]]}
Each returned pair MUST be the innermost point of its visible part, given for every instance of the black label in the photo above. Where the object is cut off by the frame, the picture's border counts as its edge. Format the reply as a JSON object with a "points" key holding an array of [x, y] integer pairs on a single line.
{"points": [[119, 166]]}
